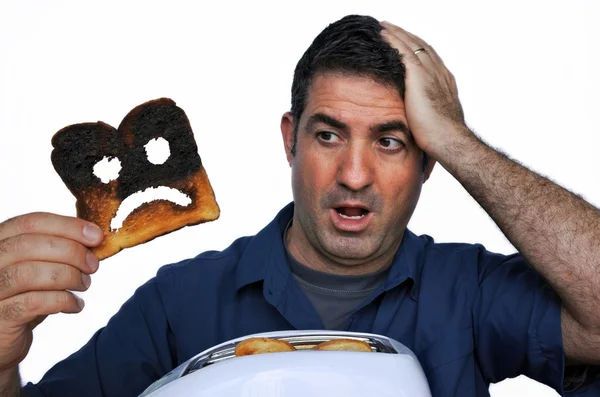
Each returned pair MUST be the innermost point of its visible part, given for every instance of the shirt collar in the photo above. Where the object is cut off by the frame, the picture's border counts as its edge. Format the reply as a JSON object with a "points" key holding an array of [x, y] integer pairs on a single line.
{"points": [[265, 256], [262, 250], [408, 263]]}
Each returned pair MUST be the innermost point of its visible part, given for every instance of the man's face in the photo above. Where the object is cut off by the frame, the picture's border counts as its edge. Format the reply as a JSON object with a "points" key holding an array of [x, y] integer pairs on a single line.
{"points": [[357, 173]]}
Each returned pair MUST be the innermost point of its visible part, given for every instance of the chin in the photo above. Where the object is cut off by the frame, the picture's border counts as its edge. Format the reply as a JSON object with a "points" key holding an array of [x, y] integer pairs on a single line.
{"points": [[350, 248]]}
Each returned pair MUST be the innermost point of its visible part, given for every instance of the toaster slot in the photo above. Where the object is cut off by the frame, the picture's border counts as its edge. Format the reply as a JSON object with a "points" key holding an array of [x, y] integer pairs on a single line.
{"points": [[300, 342]]}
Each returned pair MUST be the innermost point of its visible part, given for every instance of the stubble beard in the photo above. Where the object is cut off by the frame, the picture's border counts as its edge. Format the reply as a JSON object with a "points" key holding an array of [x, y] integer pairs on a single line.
{"points": [[334, 248]]}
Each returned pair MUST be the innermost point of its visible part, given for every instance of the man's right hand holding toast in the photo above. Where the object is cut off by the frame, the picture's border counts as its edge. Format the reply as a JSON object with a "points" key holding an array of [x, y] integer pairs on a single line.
{"points": [[43, 257]]}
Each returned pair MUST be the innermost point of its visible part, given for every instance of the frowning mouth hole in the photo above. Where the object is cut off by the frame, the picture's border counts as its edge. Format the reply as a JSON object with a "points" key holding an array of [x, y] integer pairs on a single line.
{"points": [[351, 212], [151, 194]]}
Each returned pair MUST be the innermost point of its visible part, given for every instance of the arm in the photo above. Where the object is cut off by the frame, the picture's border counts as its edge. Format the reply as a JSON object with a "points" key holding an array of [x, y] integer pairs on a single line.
{"points": [[134, 349], [556, 231], [42, 258]]}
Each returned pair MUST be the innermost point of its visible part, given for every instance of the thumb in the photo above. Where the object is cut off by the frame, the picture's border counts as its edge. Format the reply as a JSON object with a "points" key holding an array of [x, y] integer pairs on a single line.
{"points": [[37, 321]]}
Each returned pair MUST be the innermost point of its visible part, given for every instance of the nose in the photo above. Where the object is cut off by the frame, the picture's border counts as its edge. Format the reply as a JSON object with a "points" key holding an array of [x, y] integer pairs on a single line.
{"points": [[356, 167]]}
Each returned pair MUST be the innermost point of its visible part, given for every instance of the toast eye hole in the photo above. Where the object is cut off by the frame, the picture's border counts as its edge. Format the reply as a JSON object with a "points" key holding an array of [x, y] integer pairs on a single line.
{"points": [[107, 169], [158, 151]]}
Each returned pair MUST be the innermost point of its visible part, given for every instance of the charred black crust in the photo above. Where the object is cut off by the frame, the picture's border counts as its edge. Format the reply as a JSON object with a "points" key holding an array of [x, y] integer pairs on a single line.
{"points": [[78, 147], [159, 118]]}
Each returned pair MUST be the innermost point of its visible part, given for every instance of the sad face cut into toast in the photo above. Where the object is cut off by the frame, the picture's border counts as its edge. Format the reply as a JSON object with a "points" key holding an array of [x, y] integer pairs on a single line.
{"points": [[79, 147]]}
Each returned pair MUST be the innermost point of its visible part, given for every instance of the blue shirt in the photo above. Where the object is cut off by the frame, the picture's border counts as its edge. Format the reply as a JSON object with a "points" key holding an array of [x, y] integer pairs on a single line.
{"points": [[471, 316]]}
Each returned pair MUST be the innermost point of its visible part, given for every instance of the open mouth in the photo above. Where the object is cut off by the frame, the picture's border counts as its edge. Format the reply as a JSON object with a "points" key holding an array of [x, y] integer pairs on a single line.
{"points": [[151, 194], [351, 218], [353, 213]]}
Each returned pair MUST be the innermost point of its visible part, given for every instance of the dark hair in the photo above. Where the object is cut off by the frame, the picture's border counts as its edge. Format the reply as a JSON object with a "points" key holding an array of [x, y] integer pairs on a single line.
{"points": [[352, 45]]}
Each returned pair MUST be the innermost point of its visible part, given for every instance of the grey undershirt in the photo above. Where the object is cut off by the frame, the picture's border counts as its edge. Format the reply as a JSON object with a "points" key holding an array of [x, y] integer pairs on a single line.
{"points": [[334, 297]]}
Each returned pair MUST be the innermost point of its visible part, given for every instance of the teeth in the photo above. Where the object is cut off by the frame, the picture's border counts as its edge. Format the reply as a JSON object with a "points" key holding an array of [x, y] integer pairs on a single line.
{"points": [[351, 217]]}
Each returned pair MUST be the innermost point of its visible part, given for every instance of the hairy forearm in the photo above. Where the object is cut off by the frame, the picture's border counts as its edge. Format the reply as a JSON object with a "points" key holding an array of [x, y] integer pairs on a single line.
{"points": [[555, 230], [10, 384]]}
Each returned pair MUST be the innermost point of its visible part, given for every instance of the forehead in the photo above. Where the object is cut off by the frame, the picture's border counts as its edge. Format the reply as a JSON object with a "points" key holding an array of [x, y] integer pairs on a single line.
{"points": [[353, 98]]}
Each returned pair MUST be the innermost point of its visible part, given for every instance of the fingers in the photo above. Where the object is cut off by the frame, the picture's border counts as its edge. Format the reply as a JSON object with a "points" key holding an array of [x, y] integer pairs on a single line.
{"points": [[419, 68], [31, 307], [42, 258], [39, 247], [407, 43], [71, 228], [421, 44], [41, 276], [402, 46]]}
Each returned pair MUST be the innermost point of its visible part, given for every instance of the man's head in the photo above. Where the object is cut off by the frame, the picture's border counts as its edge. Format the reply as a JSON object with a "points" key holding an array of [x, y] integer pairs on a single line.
{"points": [[356, 170], [353, 45]]}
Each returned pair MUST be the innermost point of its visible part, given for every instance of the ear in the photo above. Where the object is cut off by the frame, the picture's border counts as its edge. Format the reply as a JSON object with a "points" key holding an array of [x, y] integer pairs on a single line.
{"points": [[287, 133], [430, 164]]}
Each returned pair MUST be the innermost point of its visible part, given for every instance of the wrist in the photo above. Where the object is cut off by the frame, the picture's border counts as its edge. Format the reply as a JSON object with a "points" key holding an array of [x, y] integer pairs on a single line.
{"points": [[10, 383], [452, 144]]}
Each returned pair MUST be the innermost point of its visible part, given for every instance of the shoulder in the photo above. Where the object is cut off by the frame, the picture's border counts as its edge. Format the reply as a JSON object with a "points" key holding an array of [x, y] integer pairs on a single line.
{"points": [[458, 253], [473, 260]]}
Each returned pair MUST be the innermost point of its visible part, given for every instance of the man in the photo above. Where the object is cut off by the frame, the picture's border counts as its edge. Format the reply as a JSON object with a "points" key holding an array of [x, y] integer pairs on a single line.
{"points": [[372, 111]]}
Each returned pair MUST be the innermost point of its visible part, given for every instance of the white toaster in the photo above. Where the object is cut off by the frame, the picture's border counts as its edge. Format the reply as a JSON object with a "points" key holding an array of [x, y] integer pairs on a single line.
{"points": [[390, 370]]}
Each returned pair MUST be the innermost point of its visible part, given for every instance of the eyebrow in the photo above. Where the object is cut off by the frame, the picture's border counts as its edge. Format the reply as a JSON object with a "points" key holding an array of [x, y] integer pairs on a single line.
{"points": [[325, 119], [393, 125]]}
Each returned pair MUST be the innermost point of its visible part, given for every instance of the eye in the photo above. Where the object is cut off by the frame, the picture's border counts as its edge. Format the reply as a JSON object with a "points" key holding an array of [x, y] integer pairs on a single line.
{"points": [[158, 151], [107, 169], [391, 144], [327, 136]]}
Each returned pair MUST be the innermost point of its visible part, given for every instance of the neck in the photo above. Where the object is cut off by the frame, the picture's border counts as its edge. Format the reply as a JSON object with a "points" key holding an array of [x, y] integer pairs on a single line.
{"points": [[318, 259]]}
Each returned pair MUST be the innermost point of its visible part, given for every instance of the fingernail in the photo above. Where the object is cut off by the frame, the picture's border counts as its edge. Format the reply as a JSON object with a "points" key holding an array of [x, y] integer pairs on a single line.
{"points": [[92, 232], [80, 302], [92, 260], [86, 280]]}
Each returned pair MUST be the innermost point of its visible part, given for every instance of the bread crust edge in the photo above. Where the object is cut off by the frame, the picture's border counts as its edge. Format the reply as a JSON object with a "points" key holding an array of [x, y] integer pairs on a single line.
{"points": [[150, 220]]}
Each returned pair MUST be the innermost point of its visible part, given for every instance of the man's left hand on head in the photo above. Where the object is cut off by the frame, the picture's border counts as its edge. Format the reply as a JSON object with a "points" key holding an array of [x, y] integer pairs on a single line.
{"points": [[433, 110]]}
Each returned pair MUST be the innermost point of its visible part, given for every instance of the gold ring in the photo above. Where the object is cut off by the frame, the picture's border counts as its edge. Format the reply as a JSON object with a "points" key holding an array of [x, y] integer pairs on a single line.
{"points": [[419, 50]]}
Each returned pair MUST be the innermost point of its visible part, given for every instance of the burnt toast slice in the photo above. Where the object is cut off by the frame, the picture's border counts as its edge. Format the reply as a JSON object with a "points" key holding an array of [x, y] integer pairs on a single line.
{"points": [[79, 147]]}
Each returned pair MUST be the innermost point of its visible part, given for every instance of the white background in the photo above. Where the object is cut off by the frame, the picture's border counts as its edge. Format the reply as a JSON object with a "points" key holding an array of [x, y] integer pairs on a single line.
{"points": [[526, 72]]}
